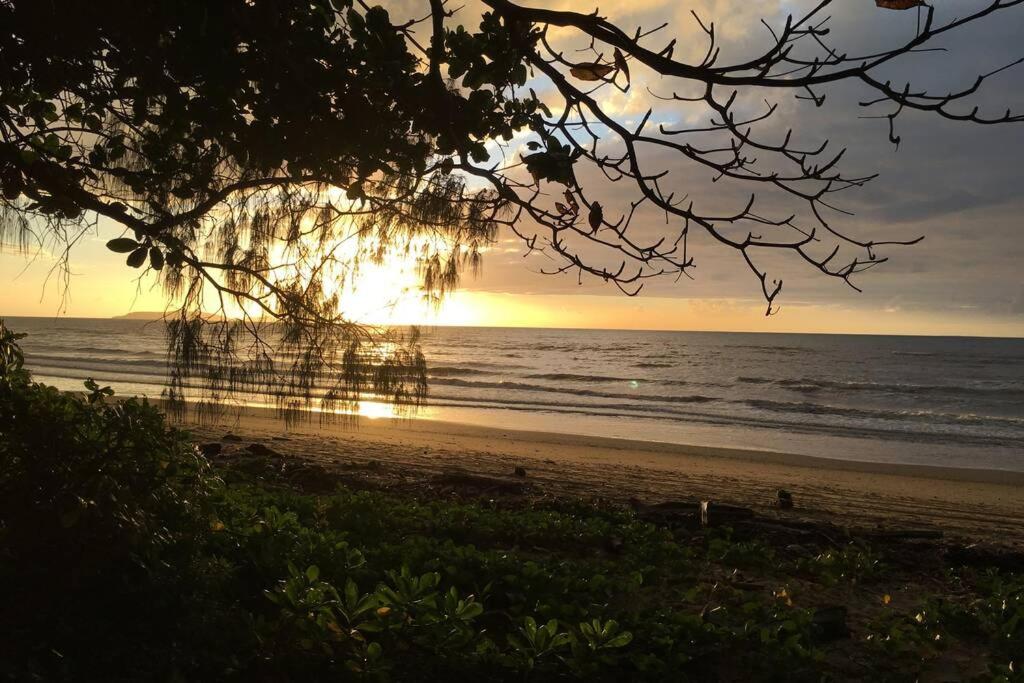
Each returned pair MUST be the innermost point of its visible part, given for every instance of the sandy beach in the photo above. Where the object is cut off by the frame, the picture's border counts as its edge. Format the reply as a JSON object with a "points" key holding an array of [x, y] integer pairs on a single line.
{"points": [[963, 503]]}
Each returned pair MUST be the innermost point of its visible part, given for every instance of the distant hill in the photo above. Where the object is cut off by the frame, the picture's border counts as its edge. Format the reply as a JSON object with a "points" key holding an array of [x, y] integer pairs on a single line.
{"points": [[155, 315], [140, 315]]}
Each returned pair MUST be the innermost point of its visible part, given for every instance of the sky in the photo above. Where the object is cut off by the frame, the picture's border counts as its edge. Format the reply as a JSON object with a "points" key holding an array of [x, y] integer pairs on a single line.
{"points": [[958, 185]]}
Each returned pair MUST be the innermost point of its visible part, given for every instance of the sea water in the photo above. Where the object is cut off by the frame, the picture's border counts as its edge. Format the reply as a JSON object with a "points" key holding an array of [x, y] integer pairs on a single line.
{"points": [[946, 401]]}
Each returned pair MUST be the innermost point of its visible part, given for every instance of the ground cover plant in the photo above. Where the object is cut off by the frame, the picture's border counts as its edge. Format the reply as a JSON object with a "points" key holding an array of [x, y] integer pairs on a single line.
{"points": [[127, 555]]}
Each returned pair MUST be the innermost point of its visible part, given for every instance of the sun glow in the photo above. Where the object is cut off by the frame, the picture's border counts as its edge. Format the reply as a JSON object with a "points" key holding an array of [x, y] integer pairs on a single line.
{"points": [[373, 284]]}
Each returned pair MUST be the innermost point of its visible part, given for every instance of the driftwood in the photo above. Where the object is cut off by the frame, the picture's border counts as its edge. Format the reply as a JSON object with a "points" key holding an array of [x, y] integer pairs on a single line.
{"points": [[686, 513], [262, 451], [467, 481], [903, 534], [980, 556]]}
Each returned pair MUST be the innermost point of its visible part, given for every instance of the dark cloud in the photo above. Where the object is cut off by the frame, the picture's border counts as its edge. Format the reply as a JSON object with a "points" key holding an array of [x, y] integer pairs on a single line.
{"points": [[957, 184]]}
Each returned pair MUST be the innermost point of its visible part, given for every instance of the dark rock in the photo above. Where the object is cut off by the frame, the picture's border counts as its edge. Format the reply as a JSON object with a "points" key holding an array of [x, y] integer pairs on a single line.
{"points": [[469, 482], [980, 556], [262, 451], [231, 438], [784, 500], [210, 450], [519, 471], [314, 479], [830, 623]]}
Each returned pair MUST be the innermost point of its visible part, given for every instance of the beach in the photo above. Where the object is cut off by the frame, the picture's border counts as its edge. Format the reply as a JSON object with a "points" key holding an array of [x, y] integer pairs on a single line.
{"points": [[972, 504]]}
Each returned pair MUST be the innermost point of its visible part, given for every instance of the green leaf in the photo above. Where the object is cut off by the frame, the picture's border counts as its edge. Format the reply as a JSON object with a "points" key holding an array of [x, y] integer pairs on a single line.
{"points": [[137, 257], [122, 245], [313, 572], [519, 74], [621, 640], [596, 216], [471, 610], [175, 259]]}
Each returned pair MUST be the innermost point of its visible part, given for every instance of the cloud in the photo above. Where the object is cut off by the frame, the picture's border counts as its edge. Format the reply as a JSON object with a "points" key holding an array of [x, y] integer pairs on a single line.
{"points": [[955, 183]]}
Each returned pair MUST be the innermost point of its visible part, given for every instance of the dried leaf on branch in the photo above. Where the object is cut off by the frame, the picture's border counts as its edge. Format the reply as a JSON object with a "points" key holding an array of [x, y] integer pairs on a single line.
{"points": [[591, 71]]}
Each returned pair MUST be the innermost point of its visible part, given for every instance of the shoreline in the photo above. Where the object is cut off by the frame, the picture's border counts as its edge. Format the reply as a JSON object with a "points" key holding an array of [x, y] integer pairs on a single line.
{"points": [[430, 426], [971, 503]]}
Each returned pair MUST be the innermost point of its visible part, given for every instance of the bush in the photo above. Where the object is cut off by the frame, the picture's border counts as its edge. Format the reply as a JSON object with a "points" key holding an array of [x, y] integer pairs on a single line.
{"points": [[101, 509]]}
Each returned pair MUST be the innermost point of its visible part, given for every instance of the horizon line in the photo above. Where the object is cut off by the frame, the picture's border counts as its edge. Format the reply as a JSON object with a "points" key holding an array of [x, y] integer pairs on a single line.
{"points": [[158, 317]]}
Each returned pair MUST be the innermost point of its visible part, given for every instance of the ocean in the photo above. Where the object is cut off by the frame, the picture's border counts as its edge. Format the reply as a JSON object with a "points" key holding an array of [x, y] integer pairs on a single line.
{"points": [[952, 402]]}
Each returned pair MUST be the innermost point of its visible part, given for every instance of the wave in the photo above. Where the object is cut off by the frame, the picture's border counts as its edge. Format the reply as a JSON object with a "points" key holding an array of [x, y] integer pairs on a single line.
{"points": [[570, 377], [807, 408], [962, 359], [812, 385], [568, 391], [906, 433], [773, 349], [454, 371], [62, 350]]}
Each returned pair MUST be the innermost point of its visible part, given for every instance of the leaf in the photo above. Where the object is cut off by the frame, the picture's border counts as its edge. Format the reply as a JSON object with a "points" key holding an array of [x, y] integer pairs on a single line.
{"points": [[591, 71], [156, 258], [137, 257], [596, 215], [122, 245], [562, 208], [899, 4], [553, 165], [313, 572], [621, 64], [621, 640], [471, 611], [571, 201]]}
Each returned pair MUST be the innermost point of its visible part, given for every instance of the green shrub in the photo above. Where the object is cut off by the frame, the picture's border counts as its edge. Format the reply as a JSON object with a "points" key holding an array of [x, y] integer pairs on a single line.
{"points": [[102, 509]]}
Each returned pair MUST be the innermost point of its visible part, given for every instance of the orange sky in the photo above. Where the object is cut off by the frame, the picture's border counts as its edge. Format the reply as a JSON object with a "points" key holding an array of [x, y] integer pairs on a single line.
{"points": [[101, 286]]}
